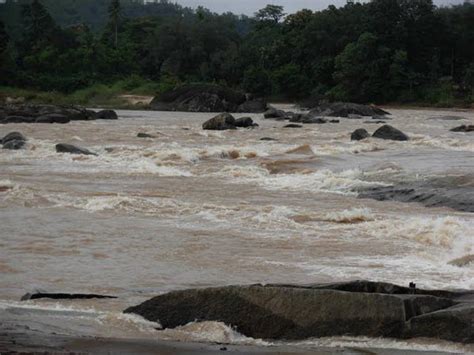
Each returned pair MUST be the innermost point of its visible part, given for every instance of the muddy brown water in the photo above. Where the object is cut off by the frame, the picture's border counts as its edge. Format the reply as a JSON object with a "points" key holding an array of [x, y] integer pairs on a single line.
{"points": [[194, 208]]}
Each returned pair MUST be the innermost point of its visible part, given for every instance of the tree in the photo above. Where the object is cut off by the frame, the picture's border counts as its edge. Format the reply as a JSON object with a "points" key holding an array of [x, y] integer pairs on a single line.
{"points": [[114, 18], [270, 13]]}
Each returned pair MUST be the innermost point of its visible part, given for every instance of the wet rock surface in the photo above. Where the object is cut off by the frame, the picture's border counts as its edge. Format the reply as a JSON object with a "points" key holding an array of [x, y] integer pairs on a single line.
{"points": [[63, 296], [206, 98], [290, 312], [31, 113], [359, 134], [220, 122], [13, 141], [390, 133], [72, 149], [456, 192], [463, 128]]}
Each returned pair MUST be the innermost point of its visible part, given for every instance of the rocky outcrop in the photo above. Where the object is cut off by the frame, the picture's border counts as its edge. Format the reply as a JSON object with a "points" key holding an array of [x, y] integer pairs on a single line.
{"points": [[273, 113], [29, 113], [291, 312], [348, 110], [359, 134], [72, 149], [13, 141], [456, 192], [206, 98], [463, 128], [390, 133]]}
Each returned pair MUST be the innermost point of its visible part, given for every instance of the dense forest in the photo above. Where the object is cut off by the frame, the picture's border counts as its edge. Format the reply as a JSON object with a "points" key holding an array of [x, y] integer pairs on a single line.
{"points": [[380, 51]]}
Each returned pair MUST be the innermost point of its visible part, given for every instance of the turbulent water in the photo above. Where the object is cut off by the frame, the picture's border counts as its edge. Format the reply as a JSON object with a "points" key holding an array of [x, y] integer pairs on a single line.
{"points": [[194, 208]]}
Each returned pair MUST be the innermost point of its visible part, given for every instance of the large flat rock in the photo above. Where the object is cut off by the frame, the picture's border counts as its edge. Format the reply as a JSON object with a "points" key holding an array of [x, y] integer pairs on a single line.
{"points": [[298, 312]]}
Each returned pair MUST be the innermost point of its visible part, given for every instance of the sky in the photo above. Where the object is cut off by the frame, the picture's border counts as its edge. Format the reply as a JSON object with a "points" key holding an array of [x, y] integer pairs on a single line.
{"points": [[250, 6]]}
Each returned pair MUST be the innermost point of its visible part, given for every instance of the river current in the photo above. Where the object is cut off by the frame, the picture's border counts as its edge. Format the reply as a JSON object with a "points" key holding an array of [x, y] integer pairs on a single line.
{"points": [[193, 208]]}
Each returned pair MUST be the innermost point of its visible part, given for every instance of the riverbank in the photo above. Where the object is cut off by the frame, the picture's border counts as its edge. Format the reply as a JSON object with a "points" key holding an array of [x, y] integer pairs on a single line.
{"points": [[130, 96]]}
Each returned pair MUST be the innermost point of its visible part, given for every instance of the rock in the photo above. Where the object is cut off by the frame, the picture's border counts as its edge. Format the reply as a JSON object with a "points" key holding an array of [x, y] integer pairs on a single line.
{"points": [[220, 122], [349, 110], [464, 261], [53, 118], [14, 144], [29, 113], [145, 135], [359, 134], [292, 125], [205, 98], [62, 296], [275, 114], [375, 122], [268, 139], [354, 116], [71, 149], [245, 122], [17, 119], [107, 115], [13, 136], [293, 312], [314, 120], [391, 133], [463, 128], [253, 106], [334, 121], [456, 192]]}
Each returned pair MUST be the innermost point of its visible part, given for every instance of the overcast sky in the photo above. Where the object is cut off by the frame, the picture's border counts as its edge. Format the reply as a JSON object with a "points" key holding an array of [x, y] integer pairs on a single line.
{"points": [[250, 6]]}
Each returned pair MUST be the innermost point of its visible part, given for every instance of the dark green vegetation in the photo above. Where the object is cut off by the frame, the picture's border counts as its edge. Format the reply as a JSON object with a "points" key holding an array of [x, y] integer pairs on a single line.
{"points": [[381, 51]]}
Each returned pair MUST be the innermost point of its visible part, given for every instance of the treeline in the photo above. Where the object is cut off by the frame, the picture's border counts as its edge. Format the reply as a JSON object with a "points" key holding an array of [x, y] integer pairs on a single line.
{"points": [[380, 51]]}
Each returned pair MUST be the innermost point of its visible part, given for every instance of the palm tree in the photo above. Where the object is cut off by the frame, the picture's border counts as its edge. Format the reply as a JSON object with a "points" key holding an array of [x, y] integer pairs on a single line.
{"points": [[114, 18]]}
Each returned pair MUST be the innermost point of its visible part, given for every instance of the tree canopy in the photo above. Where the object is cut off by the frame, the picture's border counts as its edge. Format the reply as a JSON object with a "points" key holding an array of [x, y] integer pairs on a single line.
{"points": [[379, 51]]}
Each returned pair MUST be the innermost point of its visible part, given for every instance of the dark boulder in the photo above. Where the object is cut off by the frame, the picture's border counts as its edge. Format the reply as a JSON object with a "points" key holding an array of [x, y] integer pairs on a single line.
{"points": [[63, 296], [390, 133], [293, 125], [53, 118], [273, 113], [107, 115], [314, 120], [13, 136], [220, 122], [291, 312], [463, 128], [72, 149], [205, 98], [349, 110], [245, 122], [359, 134], [14, 144], [253, 106], [268, 139]]}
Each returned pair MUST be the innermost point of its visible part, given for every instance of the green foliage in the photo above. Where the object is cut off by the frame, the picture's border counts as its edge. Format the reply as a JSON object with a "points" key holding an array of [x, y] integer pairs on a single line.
{"points": [[377, 51]]}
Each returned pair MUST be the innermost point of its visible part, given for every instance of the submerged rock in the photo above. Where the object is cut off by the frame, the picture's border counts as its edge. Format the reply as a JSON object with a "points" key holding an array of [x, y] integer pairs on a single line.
{"points": [[292, 125], [72, 149], [291, 312], [62, 296], [274, 113], [348, 110], [220, 122], [145, 135], [268, 139], [463, 128], [206, 98], [456, 192], [390, 133], [359, 134]]}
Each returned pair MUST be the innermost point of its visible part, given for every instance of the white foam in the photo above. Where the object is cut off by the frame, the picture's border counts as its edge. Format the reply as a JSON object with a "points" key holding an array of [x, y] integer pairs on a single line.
{"points": [[351, 216]]}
